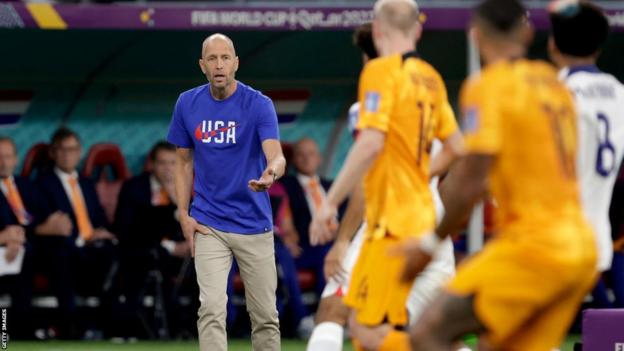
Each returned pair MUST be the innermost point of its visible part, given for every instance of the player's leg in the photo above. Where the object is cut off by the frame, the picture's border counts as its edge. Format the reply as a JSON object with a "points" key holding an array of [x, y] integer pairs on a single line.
{"points": [[255, 256], [331, 318], [379, 297], [546, 330], [444, 322], [332, 313], [213, 259], [428, 286]]}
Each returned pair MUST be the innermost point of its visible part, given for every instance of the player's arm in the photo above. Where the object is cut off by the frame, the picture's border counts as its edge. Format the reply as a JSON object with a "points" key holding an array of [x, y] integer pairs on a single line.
{"points": [[353, 216], [464, 186], [363, 154], [467, 179], [376, 97], [276, 165], [447, 132], [349, 225], [350, 221], [451, 149]]}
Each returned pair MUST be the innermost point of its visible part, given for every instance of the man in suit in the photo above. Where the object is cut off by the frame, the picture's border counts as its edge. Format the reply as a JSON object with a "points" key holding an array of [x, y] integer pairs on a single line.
{"points": [[21, 217], [146, 221], [78, 260], [306, 191]]}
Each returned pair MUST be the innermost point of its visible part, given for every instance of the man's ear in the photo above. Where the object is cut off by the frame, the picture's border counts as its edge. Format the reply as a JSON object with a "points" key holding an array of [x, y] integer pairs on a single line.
{"points": [[201, 66]]}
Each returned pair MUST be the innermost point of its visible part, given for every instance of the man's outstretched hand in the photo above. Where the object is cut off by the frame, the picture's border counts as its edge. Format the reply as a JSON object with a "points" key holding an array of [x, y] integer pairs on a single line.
{"points": [[265, 181]]}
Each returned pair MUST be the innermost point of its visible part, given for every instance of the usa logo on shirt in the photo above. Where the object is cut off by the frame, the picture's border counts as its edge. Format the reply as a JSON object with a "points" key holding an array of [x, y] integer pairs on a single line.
{"points": [[371, 101], [218, 132]]}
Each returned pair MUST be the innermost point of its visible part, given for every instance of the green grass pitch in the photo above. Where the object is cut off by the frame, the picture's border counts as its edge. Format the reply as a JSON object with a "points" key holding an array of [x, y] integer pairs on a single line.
{"points": [[234, 345]]}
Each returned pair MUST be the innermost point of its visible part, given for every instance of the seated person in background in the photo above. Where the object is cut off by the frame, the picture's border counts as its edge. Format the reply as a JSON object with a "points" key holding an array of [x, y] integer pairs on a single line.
{"points": [[81, 259], [21, 216], [306, 191], [146, 221], [18, 286], [286, 247]]}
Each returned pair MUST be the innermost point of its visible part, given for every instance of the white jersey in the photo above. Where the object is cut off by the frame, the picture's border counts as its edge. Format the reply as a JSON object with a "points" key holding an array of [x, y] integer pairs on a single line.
{"points": [[354, 114], [600, 105]]}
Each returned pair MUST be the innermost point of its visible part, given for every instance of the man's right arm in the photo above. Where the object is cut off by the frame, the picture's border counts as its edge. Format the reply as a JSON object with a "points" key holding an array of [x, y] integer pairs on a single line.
{"points": [[183, 179]]}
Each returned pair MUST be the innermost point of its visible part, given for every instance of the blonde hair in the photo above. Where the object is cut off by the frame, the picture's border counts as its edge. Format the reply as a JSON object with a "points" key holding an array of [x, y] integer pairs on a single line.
{"points": [[401, 15]]}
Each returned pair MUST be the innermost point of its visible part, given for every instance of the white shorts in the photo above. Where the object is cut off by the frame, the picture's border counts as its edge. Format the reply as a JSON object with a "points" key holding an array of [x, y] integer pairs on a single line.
{"points": [[340, 287], [430, 282]]}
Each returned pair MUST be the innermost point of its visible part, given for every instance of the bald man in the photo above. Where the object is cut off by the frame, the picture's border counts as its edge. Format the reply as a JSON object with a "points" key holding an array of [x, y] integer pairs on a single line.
{"points": [[403, 108], [227, 140]]}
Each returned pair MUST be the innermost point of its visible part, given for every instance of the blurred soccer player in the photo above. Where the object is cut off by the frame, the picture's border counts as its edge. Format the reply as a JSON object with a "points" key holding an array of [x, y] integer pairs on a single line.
{"points": [[403, 107], [523, 290], [332, 313], [578, 31]]}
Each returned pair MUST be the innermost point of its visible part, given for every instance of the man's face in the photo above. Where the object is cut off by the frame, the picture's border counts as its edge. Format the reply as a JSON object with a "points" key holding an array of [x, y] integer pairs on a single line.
{"points": [[307, 158], [164, 166], [66, 154], [8, 159], [219, 63]]}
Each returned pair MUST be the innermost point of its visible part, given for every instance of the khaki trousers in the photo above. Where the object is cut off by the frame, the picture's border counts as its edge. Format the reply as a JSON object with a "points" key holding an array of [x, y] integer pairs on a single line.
{"points": [[256, 260]]}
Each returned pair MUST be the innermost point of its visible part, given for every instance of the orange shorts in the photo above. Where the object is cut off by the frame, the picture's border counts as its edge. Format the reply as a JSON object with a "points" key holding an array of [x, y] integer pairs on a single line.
{"points": [[525, 297], [375, 292]]}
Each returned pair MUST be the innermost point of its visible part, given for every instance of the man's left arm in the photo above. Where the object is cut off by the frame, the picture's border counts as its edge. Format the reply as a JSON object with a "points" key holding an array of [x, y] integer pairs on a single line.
{"points": [[276, 166]]}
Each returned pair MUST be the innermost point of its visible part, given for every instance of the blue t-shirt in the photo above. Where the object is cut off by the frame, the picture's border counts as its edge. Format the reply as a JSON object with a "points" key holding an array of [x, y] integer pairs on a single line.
{"points": [[226, 136]]}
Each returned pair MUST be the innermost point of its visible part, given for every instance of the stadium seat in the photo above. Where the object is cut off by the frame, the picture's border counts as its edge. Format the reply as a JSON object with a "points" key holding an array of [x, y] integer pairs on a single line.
{"points": [[37, 159], [108, 184], [306, 278]]}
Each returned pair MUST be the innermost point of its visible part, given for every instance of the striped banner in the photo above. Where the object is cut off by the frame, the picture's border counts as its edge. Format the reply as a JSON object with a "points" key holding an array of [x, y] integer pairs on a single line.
{"points": [[289, 103], [13, 105]]}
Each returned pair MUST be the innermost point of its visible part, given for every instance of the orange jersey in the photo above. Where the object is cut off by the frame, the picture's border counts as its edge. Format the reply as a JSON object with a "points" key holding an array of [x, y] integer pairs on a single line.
{"points": [[404, 97], [533, 136]]}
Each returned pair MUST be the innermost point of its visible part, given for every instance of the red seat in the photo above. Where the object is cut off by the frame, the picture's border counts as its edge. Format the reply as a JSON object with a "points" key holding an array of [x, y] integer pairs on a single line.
{"points": [[100, 157], [306, 278], [37, 159], [489, 213]]}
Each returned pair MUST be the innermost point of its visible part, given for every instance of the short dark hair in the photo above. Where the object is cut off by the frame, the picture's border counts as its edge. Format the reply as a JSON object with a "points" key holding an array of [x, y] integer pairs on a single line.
{"points": [[161, 145], [578, 28], [6, 139], [503, 16], [62, 134], [363, 39]]}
